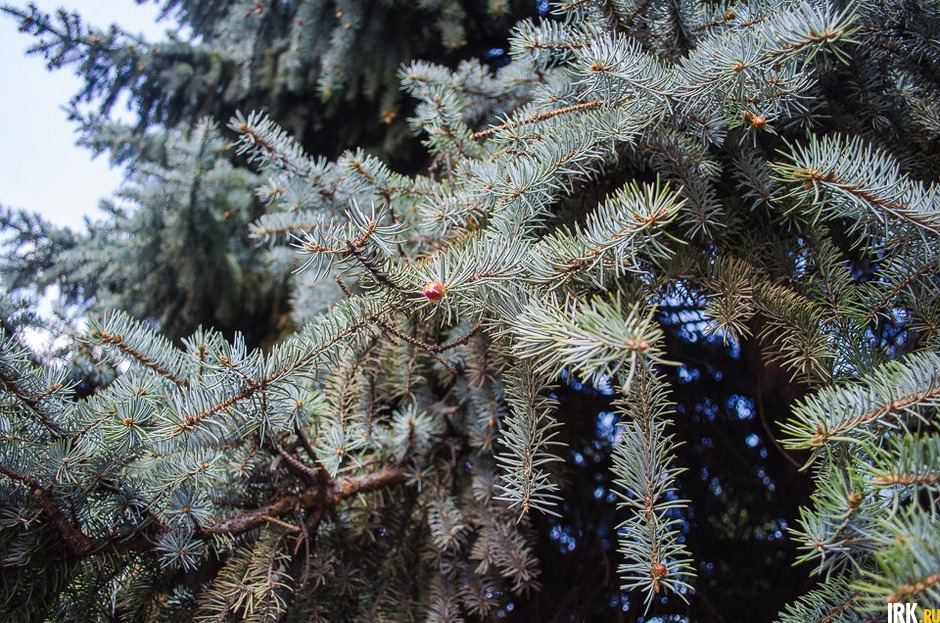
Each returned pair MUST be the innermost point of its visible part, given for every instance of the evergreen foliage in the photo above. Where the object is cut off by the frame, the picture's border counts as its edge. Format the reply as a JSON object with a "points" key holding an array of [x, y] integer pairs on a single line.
{"points": [[758, 177], [310, 64]]}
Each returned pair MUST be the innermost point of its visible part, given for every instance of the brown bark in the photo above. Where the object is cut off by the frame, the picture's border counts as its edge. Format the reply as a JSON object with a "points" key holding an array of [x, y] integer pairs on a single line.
{"points": [[312, 498]]}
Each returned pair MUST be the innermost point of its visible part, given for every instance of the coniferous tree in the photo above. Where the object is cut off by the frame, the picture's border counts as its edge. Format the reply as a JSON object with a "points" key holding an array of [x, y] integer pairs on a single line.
{"points": [[642, 183], [310, 64]]}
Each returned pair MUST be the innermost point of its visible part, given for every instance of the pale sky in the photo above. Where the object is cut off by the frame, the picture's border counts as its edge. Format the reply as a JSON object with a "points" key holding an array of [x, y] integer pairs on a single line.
{"points": [[41, 169]]}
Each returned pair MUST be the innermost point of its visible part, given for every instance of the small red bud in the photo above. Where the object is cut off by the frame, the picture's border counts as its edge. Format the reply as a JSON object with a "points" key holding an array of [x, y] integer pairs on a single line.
{"points": [[659, 570], [434, 291]]}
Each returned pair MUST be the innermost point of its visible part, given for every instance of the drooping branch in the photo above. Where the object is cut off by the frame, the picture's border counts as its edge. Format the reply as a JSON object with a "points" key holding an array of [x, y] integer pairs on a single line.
{"points": [[317, 497], [32, 403], [313, 498], [77, 542]]}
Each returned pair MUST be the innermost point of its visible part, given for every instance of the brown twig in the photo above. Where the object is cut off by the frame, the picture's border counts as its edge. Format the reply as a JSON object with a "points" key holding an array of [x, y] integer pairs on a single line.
{"points": [[144, 360], [766, 425], [288, 526], [312, 498], [190, 421], [32, 403], [295, 465], [77, 542], [390, 330], [539, 116]]}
